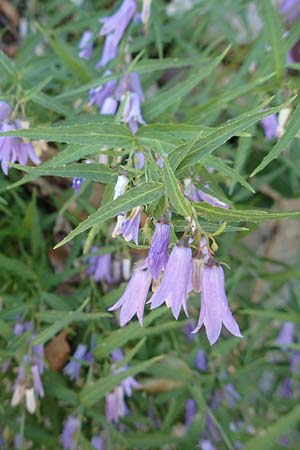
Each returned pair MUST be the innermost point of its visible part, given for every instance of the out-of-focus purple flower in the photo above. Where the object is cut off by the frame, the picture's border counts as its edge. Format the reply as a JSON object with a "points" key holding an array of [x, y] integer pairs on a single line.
{"points": [[214, 304], [211, 426], [109, 52], [206, 445], [190, 325], [98, 95], [231, 395], [134, 297], [130, 226], [109, 106], [37, 382], [98, 443], [190, 412], [86, 45], [5, 111], [130, 83], [116, 24], [200, 360], [128, 383], [71, 428], [270, 126], [76, 183], [295, 362], [158, 253], [286, 334], [100, 267], [13, 149], [286, 390], [115, 406], [176, 282], [132, 112], [73, 367], [290, 9], [211, 199]]}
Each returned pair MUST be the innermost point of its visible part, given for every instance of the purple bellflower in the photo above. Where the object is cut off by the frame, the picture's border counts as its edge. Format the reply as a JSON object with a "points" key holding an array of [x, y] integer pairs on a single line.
{"points": [[231, 395], [109, 106], [190, 412], [76, 183], [5, 111], [86, 45], [109, 52], [214, 304], [73, 367], [13, 149], [116, 24], [286, 334], [130, 226], [206, 445], [128, 383], [71, 428], [290, 9], [98, 95], [200, 360], [190, 325], [176, 282], [98, 443], [158, 253], [270, 126], [134, 297], [132, 112], [100, 267]]}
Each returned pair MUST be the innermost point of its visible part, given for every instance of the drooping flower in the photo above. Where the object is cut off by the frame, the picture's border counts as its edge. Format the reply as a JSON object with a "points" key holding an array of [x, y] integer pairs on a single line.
{"points": [[37, 382], [98, 443], [5, 111], [115, 406], [206, 445], [109, 106], [130, 226], [76, 183], [134, 297], [214, 304], [132, 112], [200, 360], [190, 412], [68, 436], [72, 369], [286, 334], [117, 23], [270, 126], [109, 52], [129, 383], [158, 253], [211, 199], [176, 282], [290, 9], [100, 267], [231, 395], [13, 149], [98, 95], [86, 45], [190, 325]]}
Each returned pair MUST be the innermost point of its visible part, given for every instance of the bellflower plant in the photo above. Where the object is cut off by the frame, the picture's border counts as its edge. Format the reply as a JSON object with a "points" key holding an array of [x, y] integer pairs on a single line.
{"points": [[72, 369], [158, 253]]}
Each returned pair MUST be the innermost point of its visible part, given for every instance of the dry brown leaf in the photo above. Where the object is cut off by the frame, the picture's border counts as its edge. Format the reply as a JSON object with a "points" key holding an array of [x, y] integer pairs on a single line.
{"points": [[57, 351]]}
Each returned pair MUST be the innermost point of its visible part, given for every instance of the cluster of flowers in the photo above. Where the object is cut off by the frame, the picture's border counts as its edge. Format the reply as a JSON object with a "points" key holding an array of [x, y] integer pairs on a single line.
{"points": [[13, 149]]}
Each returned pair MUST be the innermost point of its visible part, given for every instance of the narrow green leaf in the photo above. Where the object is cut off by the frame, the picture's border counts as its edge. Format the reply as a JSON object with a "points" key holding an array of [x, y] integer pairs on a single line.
{"points": [[8, 65], [93, 392], [292, 129], [139, 195], [158, 104], [51, 103], [210, 212], [174, 194]]}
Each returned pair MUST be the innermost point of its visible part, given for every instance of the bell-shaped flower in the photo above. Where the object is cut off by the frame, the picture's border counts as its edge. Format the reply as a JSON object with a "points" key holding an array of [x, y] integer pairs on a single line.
{"points": [[5, 111], [270, 126], [117, 23], [176, 282], [72, 369], [158, 253], [68, 436], [214, 304], [86, 45]]}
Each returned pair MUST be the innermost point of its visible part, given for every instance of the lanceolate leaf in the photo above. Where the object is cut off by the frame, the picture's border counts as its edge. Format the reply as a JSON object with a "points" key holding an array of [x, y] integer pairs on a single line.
{"points": [[213, 213], [292, 129], [174, 194], [146, 193]]}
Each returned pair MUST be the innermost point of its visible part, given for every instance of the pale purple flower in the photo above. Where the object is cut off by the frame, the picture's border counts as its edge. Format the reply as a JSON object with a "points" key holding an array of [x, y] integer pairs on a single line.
{"points": [[109, 106], [290, 9], [214, 304], [200, 360], [130, 226], [100, 267], [176, 282], [211, 199], [158, 253], [286, 334], [130, 83], [76, 183], [109, 52], [70, 430], [120, 186], [190, 412], [117, 23], [73, 367], [115, 406], [132, 112], [98, 95], [134, 297], [128, 383], [37, 382], [295, 362], [86, 45], [206, 445], [286, 390], [231, 395], [5, 111], [190, 325], [270, 126], [98, 443], [13, 149]]}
